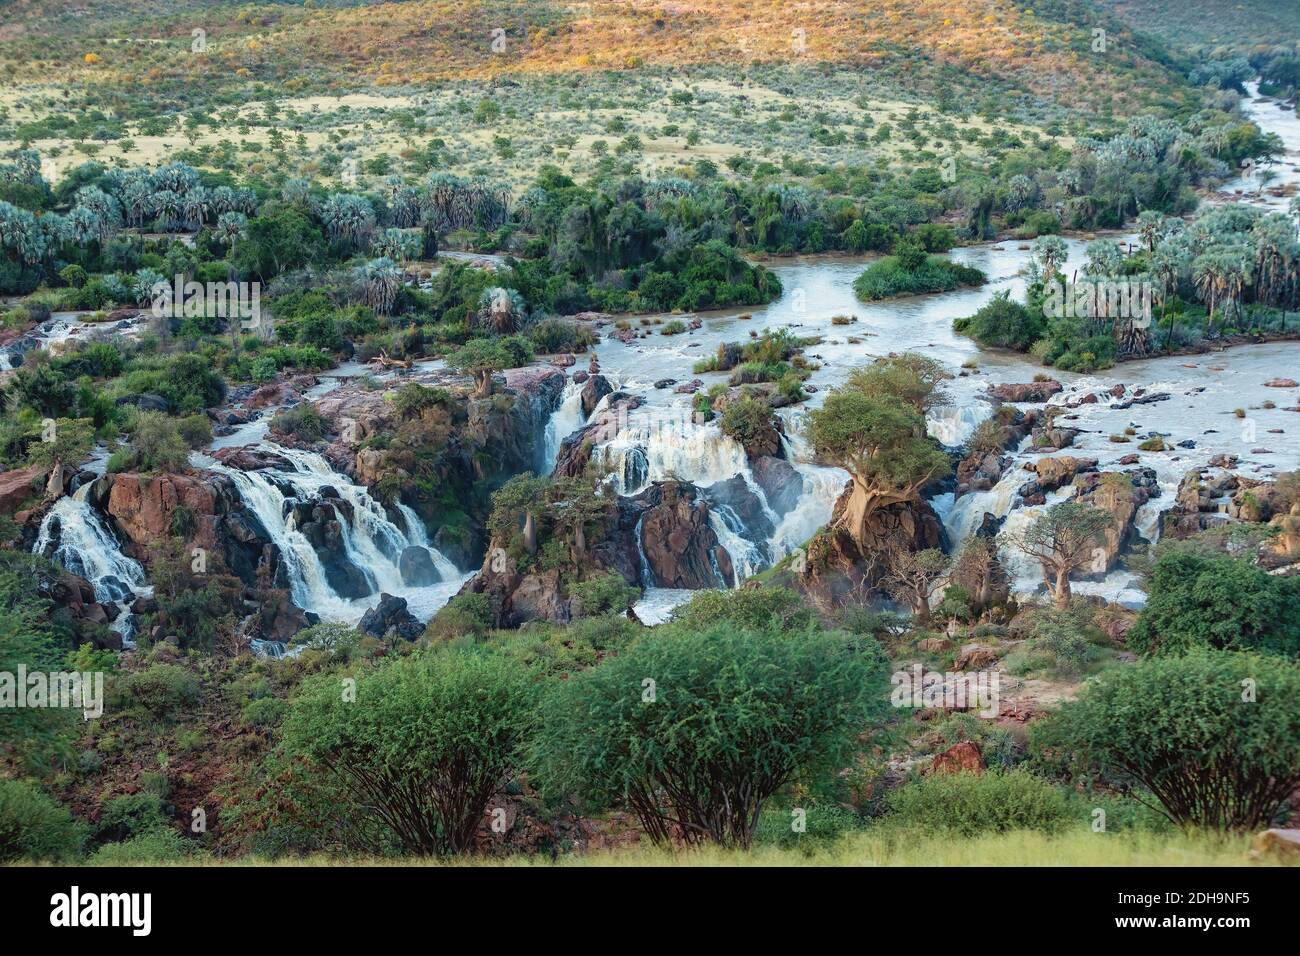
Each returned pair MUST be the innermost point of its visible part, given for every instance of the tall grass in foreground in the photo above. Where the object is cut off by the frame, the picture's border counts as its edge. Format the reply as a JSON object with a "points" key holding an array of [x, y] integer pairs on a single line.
{"points": [[887, 846]]}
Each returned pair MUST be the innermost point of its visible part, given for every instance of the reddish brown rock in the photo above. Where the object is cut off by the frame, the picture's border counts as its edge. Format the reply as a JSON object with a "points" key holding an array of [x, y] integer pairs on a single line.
{"points": [[964, 757], [1025, 391], [975, 657], [17, 486]]}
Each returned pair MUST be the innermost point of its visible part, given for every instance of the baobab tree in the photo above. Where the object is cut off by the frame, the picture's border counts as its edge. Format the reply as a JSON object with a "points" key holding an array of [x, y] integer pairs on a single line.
{"points": [[1061, 539], [872, 427]]}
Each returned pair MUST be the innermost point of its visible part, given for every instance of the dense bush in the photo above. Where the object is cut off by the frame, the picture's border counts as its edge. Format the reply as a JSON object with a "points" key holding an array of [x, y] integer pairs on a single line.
{"points": [[1212, 737], [1200, 600], [33, 826], [426, 743], [696, 730], [1003, 323], [895, 275], [970, 804]]}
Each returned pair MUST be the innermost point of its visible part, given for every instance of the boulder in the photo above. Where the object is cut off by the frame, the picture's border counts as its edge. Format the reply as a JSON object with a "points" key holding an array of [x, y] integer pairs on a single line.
{"points": [[17, 486], [1025, 391], [964, 757], [593, 390], [390, 616], [1282, 383], [975, 657], [417, 567], [781, 483], [145, 402], [1278, 842], [1054, 472]]}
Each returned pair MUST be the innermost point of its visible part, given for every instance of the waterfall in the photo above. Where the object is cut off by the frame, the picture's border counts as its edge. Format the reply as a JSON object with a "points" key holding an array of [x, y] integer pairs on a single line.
{"points": [[77, 538], [953, 425], [567, 418], [418, 535], [822, 487], [661, 446], [371, 542], [647, 575], [747, 558]]}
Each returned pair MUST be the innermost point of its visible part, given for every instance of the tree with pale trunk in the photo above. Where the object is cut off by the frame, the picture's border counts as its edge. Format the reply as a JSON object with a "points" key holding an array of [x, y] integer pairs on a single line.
{"points": [[1061, 539], [516, 506], [881, 441]]}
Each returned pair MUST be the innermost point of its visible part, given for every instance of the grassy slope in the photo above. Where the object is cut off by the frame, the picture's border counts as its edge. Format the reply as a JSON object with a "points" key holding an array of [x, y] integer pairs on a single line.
{"points": [[424, 41]]}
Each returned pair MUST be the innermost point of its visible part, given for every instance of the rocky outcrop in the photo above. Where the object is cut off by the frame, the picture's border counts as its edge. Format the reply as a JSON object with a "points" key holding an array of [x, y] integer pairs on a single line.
{"points": [[594, 389], [1119, 494], [681, 549], [17, 486], [390, 618], [1051, 474], [1023, 392], [203, 509], [575, 450], [964, 757], [1286, 543], [984, 466], [839, 567], [781, 483]]}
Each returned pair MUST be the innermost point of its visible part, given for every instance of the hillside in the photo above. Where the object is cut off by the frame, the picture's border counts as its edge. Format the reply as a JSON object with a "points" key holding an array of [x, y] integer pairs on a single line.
{"points": [[1045, 48], [1191, 24]]}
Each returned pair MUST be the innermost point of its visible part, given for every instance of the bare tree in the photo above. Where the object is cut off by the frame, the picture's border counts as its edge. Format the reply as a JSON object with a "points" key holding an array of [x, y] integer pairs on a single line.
{"points": [[911, 578]]}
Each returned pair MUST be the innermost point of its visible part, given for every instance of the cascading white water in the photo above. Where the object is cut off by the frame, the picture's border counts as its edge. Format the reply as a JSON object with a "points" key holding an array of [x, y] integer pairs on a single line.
{"points": [[567, 418], [952, 425], [673, 446], [372, 543], [76, 537]]}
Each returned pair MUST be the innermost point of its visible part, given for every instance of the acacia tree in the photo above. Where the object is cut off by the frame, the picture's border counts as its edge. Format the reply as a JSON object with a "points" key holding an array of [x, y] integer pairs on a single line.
{"points": [[696, 728], [912, 578], [1061, 539], [874, 428]]}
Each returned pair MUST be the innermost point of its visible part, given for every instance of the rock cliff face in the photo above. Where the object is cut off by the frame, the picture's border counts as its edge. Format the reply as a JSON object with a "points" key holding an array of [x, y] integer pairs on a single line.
{"points": [[202, 509], [681, 548], [1120, 494], [839, 568], [662, 537], [576, 449]]}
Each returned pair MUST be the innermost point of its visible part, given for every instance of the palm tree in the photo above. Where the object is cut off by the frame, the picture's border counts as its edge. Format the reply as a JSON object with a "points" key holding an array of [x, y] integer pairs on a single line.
{"points": [[501, 311], [380, 282], [1150, 224]]}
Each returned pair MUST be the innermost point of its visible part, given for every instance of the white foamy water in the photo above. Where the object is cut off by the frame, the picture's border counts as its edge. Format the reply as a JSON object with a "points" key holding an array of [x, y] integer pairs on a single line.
{"points": [[567, 418], [372, 542]]}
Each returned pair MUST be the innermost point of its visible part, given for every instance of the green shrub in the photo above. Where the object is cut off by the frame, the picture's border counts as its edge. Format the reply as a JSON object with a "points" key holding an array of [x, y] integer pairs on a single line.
{"points": [[263, 712], [1213, 737], [33, 826], [130, 815], [156, 846], [969, 804], [301, 421], [465, 615], [427, 742], [607, 594], [1003, 323], [702, 727], [1203, 600], [748, 608], [891, 276], [159, 689]]}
